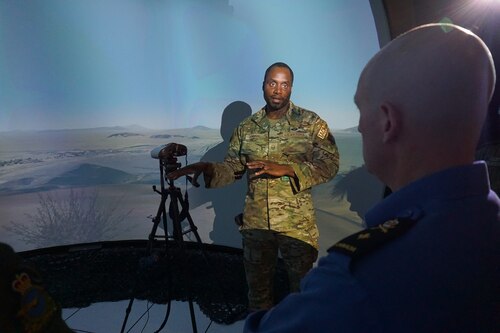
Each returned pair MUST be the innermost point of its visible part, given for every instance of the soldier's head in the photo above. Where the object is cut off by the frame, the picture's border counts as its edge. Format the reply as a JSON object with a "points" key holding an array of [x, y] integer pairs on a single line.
{"points": [[422, 101], [277, 86]]}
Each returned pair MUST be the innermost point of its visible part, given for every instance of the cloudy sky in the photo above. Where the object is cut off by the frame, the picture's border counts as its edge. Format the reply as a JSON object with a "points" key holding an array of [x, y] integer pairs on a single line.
{"points": [[174, 63]]}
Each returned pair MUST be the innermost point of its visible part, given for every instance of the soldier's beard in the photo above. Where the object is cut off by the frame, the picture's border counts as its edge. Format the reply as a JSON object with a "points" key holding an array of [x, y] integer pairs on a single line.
{"points": [[276, 106]]}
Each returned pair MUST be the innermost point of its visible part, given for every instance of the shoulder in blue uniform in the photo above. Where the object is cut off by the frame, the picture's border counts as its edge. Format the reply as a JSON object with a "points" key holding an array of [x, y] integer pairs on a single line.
{"points": [[368, 240]]}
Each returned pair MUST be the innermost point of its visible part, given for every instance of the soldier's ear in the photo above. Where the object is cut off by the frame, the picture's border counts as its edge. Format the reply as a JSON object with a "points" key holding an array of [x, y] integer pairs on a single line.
{"points": [[263, 84], [391, 121]]}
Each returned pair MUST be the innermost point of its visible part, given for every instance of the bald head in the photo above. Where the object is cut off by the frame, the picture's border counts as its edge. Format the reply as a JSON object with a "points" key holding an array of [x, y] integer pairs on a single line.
{"points": [[427, 92]]}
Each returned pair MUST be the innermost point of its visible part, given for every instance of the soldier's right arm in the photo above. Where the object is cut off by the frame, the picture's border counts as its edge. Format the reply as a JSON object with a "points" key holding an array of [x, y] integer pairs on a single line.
{"points": [[217, 174], [195, 168], [233, 167]]}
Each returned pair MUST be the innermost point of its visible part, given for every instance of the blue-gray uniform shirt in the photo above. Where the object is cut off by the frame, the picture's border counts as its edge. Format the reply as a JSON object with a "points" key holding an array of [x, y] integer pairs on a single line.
{"points": [[442, 274]]}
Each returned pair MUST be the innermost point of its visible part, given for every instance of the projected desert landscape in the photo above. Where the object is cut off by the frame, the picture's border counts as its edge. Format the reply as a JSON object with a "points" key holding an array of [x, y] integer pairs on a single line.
{"points": [[102, 178]]}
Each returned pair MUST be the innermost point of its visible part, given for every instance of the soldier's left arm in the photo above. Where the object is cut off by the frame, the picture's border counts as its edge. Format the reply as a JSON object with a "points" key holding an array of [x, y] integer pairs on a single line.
{"points": [[323, 165]]}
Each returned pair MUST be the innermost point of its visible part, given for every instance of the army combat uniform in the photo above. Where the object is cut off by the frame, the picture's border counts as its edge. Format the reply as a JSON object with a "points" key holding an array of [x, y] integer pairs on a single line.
{"points": [[281, 205]]}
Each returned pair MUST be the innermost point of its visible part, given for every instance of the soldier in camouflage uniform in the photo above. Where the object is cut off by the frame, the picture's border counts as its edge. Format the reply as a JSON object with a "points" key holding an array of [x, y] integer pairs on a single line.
{"points": [[285, 150]]}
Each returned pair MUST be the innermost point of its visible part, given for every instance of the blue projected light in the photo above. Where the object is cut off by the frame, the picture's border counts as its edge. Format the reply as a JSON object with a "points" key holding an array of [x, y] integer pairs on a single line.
{"points": [[168, 64]]}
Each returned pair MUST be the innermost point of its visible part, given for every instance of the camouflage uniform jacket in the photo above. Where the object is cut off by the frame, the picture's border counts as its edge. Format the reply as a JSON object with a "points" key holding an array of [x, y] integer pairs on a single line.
{"points": [[301, 139]]}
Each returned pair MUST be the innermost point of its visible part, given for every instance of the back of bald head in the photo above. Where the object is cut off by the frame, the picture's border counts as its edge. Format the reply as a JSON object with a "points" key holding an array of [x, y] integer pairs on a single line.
{"points": [[440, 77]]}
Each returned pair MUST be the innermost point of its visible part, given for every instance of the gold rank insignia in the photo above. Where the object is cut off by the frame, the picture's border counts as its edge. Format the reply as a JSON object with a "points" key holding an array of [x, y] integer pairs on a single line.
{"points": [[323, 132], [368, 240], [364, 235]]}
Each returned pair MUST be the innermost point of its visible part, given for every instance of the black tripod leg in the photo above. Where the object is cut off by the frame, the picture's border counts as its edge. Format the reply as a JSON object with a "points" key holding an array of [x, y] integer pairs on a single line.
{"points": [[173, 212], [175, 200], [167, 314], [127, 313], [161, 214], [192, 227], [191, 311]]}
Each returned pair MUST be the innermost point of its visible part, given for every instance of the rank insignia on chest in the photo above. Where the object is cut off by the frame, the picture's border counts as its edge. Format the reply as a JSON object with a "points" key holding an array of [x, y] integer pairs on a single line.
{"points": [[368, 240]]}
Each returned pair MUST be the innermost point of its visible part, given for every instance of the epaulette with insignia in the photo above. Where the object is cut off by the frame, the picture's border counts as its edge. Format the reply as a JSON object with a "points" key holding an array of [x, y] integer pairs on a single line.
{"points": [[366, 241]]}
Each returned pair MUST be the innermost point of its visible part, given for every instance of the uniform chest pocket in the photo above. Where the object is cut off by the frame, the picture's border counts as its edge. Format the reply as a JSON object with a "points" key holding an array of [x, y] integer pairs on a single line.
{"points": [[296, 143], [254, 146]]}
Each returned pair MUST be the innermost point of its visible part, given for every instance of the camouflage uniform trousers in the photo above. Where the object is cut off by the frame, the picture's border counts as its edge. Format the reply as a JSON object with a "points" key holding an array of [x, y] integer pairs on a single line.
{"points": [[260, 251], [491, 155]]}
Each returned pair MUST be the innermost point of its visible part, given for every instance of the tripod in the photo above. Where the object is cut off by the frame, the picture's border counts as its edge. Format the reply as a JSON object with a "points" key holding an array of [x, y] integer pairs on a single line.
{"points": [[177, 216]]}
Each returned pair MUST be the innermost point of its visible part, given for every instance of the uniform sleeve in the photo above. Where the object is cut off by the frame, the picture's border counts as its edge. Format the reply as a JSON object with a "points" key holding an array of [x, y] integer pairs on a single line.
{"points": [[330, 301], [324, 164], [233, 167]]}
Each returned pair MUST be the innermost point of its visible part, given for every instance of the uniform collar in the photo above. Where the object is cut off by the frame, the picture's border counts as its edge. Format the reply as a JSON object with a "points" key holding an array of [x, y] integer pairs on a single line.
{"points": [[292, 115], [411, 200]]}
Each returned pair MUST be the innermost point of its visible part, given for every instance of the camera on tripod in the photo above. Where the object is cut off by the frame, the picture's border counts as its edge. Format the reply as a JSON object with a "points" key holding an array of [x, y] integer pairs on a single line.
{"points": [[178, 211], [168, 154]]}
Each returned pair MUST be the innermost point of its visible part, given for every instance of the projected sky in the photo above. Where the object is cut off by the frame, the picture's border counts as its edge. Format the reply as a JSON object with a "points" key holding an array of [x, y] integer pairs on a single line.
{"points": [[174, 64]]}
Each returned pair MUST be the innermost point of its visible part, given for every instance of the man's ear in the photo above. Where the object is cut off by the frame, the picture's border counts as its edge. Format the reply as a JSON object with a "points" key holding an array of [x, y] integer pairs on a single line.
{"points": [[391, 122]]}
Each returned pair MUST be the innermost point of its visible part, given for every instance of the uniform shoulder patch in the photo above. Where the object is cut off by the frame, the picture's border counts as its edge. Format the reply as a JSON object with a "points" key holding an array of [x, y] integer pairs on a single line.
{"points": [[323, 132], [368, 240]]}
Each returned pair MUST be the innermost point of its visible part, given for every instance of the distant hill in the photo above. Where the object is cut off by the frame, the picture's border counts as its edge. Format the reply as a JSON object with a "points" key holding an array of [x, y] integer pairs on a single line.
{"points": [[124, 134], [200, 127], [91, 174], [161, 136]]}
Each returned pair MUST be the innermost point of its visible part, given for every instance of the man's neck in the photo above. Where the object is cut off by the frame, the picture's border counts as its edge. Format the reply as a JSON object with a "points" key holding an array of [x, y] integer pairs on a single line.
{"points": [[276, 114]]}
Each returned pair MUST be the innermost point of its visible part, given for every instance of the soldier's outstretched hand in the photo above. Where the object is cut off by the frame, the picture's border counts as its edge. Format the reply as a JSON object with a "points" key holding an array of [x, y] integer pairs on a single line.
{"points": [[195, 168]]}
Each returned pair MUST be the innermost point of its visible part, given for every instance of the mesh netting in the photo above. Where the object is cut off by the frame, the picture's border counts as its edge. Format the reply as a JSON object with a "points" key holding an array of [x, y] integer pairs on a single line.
{"points": [[210, 275]]}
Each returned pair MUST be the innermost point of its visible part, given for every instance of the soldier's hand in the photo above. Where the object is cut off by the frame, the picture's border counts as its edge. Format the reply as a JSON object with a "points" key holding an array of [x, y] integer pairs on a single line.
{"points": [[271, 168], [195, 168]]}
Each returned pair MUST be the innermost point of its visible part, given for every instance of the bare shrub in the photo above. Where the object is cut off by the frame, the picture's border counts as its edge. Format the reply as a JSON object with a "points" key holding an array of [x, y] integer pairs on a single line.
{"points": [[69, 218]]}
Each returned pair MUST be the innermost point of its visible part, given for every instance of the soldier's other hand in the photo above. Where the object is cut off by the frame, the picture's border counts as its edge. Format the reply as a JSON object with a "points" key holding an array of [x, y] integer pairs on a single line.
{"points": [[271, 168], [195, 168]]}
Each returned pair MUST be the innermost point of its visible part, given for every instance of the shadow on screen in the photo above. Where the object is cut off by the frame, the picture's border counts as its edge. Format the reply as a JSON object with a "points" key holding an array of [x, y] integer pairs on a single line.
{"points": [[228, 201]]}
